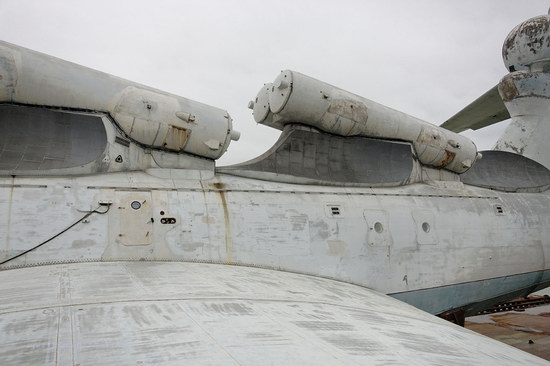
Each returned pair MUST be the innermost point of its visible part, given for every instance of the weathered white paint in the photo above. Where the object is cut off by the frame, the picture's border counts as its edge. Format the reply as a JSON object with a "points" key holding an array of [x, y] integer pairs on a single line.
{"points": [[183, 313], [437, 243], [149, 116], [298, 98], [281, 226], [526, 96]]}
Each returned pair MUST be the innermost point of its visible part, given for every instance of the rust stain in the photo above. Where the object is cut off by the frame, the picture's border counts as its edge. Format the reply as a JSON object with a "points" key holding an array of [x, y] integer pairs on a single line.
{"points": [[227, 223], [508, 89], [448, 157], [176, 138], [218, 185]]}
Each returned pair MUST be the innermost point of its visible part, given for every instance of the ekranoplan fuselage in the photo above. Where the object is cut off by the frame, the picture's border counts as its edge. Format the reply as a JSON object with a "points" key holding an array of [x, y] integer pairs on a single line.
{"points": [[352, 191], [437, 247]]}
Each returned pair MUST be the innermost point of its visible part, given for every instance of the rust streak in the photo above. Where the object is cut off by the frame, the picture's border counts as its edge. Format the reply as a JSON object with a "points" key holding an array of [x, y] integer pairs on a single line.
{"points": [[508, 89], [227, 223], [447, 159]]}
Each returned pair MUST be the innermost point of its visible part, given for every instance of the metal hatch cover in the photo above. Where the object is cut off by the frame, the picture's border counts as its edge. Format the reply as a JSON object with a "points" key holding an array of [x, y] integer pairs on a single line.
{"points": [[280, 91], [260, 107]]}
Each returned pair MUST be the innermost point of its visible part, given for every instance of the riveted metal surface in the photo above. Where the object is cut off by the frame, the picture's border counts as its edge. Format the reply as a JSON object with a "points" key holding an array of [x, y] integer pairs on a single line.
{"points": [[174, 313], [39, 139], [507, 171], [134, 224], [429, 240], [143, 113], [305, 155], [285, 226], [314, 103]]}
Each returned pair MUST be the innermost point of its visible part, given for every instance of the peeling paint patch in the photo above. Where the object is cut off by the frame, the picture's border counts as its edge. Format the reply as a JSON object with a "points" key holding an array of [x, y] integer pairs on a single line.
{"points": [[319, 229], [81, 244], [448, 157], [507, 89], [337, 247], [191, 247], [350, 109]]}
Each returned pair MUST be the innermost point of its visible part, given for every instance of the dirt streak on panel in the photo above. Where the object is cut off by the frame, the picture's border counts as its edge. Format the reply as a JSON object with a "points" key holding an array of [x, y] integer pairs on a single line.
{"points": [[227, 223]]}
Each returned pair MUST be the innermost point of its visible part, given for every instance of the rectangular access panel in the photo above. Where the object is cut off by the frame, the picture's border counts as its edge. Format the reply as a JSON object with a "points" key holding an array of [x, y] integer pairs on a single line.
{"points": [[135, 218]]}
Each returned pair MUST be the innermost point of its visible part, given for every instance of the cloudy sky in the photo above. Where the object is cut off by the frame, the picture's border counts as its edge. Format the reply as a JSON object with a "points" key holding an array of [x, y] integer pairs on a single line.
{"points": [[428, 58]]}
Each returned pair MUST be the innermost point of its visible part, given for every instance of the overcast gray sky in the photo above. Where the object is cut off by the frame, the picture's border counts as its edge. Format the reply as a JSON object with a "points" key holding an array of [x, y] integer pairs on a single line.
{"points": [[428, 58]]}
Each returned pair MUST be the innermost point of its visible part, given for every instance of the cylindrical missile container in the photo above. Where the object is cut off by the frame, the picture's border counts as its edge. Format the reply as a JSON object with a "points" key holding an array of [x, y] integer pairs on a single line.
{"points": [[148, 116], [297, 98]]}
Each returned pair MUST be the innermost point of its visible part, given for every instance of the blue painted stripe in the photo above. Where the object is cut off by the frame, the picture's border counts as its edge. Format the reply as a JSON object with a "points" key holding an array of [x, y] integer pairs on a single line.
{"points": [[476, 295]]}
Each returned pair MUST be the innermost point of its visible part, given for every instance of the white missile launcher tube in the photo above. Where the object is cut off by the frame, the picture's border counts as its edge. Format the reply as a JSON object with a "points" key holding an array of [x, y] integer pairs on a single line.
{"points": [[297, 98], [148, 116]]}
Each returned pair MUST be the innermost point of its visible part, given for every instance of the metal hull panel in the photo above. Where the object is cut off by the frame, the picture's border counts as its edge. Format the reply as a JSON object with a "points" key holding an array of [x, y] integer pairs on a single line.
{"points": [[174, 313], [478, 294], [392, 240]]}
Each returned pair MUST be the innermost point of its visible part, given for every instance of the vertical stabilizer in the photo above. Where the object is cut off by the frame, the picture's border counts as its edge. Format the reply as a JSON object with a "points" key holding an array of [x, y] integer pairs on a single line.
{"points": [[526, 90]]}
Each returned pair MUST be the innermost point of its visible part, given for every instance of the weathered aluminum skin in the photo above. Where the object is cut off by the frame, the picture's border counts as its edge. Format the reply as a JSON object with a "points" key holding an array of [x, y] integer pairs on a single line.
{"points": [[305, 155], [35, 140], [525, 92], [298, 98], [148, 116], [431, 241], [509, 172], [40, 139], [439, 237], [526, 95], [527, 46], [182, 313]]}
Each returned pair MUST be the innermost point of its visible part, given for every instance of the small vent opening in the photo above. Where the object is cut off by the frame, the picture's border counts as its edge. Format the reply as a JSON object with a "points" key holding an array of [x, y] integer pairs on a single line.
{"points": [[499, 210]]}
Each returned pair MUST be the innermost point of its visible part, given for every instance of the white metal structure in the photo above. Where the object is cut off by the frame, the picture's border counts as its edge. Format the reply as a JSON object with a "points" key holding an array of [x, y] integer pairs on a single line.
{"points": [[103, 181]]}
